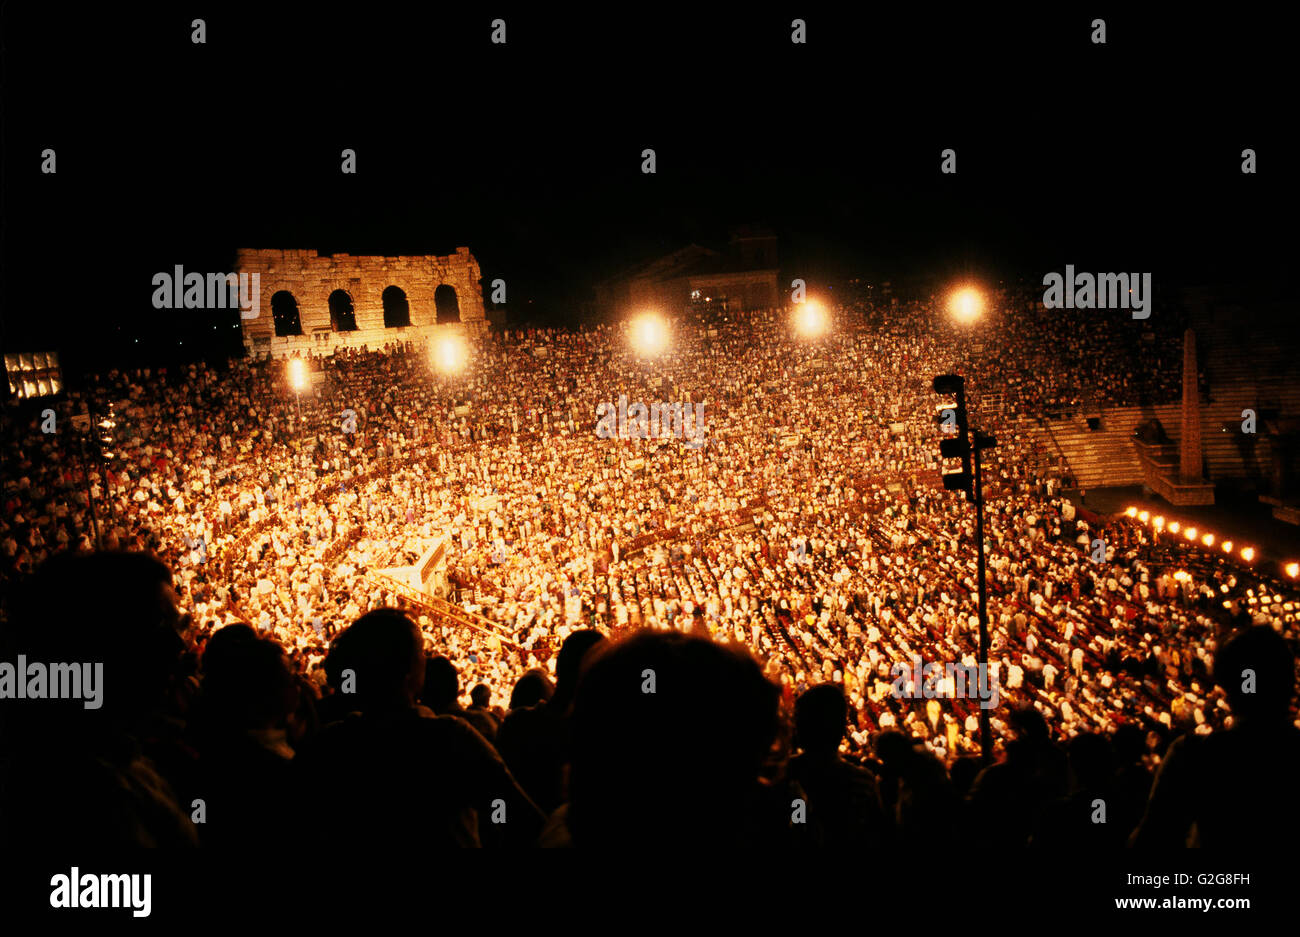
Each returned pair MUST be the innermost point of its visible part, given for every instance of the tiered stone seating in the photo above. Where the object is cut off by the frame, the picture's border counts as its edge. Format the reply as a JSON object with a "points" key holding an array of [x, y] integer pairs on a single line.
{"points": [[1240, 376], [1098, 458]]}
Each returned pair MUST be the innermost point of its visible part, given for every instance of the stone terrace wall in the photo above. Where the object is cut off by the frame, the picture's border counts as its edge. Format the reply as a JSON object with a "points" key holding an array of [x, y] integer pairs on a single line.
{"points": [[311, 277]]}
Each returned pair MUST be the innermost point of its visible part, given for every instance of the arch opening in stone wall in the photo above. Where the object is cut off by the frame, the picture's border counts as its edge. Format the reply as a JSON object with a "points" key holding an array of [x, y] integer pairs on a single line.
{"points": [[397, 310], [446, 303], [284, 314], [343, 314]]}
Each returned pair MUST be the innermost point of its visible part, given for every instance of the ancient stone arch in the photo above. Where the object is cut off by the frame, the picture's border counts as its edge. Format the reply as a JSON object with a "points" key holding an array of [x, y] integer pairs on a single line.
{"points": [[343, 312], [397, 308], [313, 277], [446, 303], [285, 316]]}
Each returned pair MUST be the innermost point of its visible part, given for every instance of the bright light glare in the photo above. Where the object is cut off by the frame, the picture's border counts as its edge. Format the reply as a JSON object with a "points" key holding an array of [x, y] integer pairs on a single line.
{"points": [[298, 374], [966, 304], [1293, 569], [450, 354], [1208, 540], [649, 334], [1132, 512], [810, 318], [1248, 553]]}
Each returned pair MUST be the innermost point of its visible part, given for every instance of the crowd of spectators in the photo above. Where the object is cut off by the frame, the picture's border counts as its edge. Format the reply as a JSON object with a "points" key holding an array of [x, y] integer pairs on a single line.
{"points": [[778, 573]]}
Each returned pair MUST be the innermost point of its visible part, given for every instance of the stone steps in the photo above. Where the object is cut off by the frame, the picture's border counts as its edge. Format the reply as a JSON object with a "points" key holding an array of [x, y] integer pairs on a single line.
{"points": [[1106, 457], [1240, 373], [1101, 458]]}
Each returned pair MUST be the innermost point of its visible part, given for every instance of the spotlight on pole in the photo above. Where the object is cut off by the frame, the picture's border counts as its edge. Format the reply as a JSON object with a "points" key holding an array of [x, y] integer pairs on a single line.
{"points": [[810, 319], [965, 304], [298, 374], [649, 334], [953, 420], [450, 354]]}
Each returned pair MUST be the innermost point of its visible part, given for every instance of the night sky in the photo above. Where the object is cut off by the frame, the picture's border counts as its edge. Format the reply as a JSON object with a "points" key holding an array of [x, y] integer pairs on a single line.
{"points": [[1116, 157]]}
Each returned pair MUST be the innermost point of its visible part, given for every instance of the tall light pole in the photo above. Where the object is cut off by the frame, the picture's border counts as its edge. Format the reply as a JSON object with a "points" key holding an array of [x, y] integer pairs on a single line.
{"points": [[966, 445]]}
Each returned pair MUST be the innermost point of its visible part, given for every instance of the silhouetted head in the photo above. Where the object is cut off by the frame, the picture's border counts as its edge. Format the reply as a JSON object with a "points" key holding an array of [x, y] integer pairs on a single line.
{"points": [[481, 695], [114, 611], [1257, 672], [1128, 743], [820, 715], [227, 637], [247, 680], [441, 684], [379, 661], [569, 664], [1029, 725], [1091, 760], [893, 748], [532, 688], [963, 773], [669, 733]]}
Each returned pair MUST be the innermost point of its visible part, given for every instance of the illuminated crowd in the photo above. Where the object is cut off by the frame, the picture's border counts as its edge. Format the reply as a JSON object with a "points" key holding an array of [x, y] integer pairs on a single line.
{"points": [[810, 529]]}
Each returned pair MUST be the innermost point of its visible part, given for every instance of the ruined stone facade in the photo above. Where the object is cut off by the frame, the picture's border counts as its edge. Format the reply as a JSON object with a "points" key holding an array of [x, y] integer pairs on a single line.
{"points": [[314, 303], [740, 276]]}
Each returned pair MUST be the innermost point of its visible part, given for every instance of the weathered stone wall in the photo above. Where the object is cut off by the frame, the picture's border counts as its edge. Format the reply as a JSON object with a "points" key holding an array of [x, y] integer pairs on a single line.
{"points": [[756, 289], [311, 278]]}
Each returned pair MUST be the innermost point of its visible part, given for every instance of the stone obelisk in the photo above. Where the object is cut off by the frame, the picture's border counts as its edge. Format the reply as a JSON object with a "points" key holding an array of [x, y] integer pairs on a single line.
{"points": [[1189, 454]]}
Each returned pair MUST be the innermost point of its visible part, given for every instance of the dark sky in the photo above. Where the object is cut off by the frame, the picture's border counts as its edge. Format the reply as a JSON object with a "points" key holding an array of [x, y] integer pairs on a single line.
{"points": [[1118, 157]]}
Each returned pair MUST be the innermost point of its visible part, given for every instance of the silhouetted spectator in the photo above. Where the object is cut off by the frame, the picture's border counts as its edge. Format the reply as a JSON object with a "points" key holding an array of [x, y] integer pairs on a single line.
{"points": [[1235, 788], [843, 799], [1008, 798], [1092, 815], [441, 693], [73, 777], [1132, 779], [530, 689], [481, 701], [963, 773], [534, 740], [393, 774], [670, 733], [916, 787], [241, 729]]}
